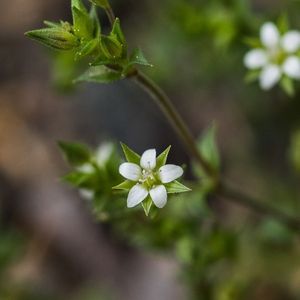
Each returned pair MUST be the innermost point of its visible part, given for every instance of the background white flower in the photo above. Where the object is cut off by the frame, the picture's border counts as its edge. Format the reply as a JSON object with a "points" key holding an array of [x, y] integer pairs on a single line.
{"points": [[277, 56], [149, 179]]}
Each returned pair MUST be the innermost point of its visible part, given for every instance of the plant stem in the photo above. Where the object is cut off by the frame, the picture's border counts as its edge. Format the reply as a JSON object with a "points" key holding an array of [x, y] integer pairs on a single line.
{"points": [[258, 206], [111, 15], [222, 189], [174, 118]]}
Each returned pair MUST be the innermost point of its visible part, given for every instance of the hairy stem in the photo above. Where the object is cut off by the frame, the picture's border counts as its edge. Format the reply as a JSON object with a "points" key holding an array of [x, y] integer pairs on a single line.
{"points": [[188, 140]]}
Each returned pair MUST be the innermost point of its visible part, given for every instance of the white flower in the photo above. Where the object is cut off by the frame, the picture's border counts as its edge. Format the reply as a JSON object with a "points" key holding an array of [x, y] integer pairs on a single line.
{"points": [[278, 56], [150, 179], [101, 157]]}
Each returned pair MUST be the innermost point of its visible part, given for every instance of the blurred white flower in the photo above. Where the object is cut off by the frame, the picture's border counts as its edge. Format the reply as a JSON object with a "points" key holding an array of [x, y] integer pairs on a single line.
{"points": [[149, 179], [101, 157], [277, 56]]}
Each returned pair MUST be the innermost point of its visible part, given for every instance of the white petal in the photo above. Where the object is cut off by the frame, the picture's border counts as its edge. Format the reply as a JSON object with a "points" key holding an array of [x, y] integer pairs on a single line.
{"points": [[130, 171], [103, 153], [256, 58], [159, 196], [269, 35], [86, 194], [136, 195], [269, 76], [291, 67], [86, 168], [169, 173], [291, 41], [148, 159]]}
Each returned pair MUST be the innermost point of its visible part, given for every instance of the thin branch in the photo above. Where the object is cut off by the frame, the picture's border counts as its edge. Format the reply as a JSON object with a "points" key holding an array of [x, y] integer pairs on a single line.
{"points": [[258, 206], [110, 14]]}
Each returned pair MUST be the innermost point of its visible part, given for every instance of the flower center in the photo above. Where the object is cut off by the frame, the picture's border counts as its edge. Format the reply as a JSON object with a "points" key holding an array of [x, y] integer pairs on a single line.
{"points": [[148, 178]]}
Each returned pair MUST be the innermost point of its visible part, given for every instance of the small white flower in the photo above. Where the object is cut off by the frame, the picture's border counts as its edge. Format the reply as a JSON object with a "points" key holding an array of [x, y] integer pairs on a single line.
{"points": [[278, 56], [101, 157], [150, 179]]}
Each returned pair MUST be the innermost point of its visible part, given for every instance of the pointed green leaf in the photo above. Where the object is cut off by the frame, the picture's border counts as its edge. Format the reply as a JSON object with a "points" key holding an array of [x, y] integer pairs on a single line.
{"points": [[86, 49], [80, 180], [283, 23], [252, 76], [54, 37], [138, 58], [79, 5], [125, 185], [52, 24], [111, 47], [99, 74], [130, 155], [208, 147], [82, 23], [101, 3], [118, 33], [287, 85], [76, 154], [253, 42], [162, 158], [96, 23], [176, 187], [147, 204]]}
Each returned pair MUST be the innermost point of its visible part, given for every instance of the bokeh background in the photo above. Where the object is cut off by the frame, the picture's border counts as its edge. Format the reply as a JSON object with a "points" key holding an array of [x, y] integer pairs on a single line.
{"points": [[53, 247]]}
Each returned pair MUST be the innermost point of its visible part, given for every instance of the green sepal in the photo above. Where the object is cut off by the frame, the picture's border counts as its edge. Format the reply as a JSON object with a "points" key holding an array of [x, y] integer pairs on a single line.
{"points": [[99, 74], [80, 179], [96, 22], [136, 58], [162, 158], [111, 47], [130, 155], [252, 76], [175, 187], [86, 49], [55, 37], [79, 5], [82, 23], [287, 85], [208, 148], [76, 154], [125, 185], [118, 33], [52, 24], [147, 204], [253, 42], [283, 23], [101, 3]]}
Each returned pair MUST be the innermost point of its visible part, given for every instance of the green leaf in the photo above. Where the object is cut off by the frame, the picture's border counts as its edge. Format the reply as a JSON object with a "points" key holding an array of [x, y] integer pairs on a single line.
{"points": [[99, 74], [253, 42], [96, 23], [118, 33], [208, 147], [82, 23], [287, 85], [54, 37], [162, 158], [79, 5], [176, 187], [101, 3], [80, 180], [147, 204], [130, 155], [125, 185], [137, 57], [283, 23], [76, 154], [252, 76], [87, 49], [52, 24], [111, 47]]}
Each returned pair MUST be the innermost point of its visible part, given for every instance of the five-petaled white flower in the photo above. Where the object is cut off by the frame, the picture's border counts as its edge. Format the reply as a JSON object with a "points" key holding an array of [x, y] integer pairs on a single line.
{"points": [[278, 56], [150, 179]]}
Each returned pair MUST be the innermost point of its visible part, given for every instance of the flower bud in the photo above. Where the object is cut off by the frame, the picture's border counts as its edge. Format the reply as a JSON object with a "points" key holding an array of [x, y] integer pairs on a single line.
{"points": [[56, 38]]}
